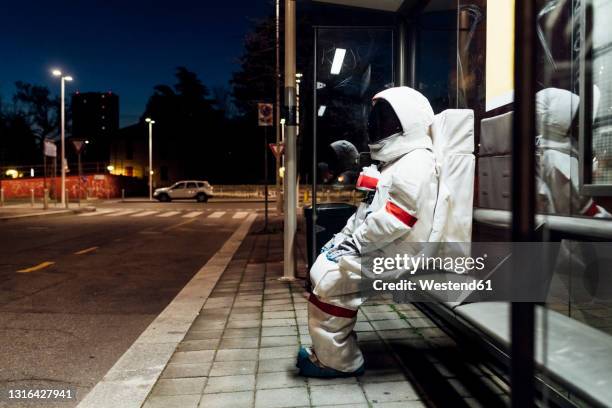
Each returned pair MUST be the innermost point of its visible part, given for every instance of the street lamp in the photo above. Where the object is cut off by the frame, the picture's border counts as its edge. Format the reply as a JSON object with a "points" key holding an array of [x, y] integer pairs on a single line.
{"points": [[150, 122], [63, 79]]}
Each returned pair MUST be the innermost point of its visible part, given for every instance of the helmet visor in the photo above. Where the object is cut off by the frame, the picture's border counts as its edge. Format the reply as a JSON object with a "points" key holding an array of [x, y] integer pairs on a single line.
{"points": [[382, 122]]}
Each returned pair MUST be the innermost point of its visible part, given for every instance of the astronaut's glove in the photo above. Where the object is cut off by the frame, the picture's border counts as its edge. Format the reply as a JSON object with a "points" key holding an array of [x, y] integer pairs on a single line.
{"points": [[328, 246], [346, 247]]}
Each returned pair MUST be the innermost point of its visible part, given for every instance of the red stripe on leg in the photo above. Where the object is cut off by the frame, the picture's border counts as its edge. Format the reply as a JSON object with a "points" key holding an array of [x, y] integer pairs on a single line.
{"points": [[400, 214], [332, 309]]}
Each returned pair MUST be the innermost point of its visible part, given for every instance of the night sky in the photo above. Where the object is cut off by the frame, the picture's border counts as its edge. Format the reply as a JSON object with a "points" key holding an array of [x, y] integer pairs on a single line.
{"points": [[126, 47]]}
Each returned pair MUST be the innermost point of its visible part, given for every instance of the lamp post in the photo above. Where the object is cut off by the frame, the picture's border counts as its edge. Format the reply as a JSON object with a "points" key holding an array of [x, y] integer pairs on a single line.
{"points": [[150, 122], [63, 80], [290, 180]]}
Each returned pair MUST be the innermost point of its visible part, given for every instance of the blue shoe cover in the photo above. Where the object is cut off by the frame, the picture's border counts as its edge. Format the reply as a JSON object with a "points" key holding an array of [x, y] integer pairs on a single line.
{"points": [[302, 355], [310, 369]]}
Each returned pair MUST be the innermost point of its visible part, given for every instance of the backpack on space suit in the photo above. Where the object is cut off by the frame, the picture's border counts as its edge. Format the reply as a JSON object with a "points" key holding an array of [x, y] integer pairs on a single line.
{"points": [[453, 142]]}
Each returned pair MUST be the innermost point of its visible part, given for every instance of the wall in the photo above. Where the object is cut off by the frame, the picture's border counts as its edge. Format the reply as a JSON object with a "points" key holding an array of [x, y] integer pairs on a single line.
{"points": [[98, 186]]}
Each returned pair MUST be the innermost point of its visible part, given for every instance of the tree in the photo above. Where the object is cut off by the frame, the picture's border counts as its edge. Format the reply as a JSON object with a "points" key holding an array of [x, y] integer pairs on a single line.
{"points": [[41, 110], [254, 82], [188, 126], [32, 117]]}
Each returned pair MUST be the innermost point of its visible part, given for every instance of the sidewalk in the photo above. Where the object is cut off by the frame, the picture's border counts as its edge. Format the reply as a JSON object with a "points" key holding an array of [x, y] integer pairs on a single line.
{"points": [[16, 211], [241, 349]]}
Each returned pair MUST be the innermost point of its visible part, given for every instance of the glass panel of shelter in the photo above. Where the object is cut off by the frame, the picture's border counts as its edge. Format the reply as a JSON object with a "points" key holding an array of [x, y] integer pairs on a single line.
{"points": [[352, 64]]}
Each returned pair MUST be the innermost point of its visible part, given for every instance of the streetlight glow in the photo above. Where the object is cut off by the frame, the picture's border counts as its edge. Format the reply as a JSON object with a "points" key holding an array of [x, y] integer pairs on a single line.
{"points": [[150, 122], [63, 80]]}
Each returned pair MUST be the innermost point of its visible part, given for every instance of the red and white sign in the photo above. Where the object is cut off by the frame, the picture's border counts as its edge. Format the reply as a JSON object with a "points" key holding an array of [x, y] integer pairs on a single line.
{"points": [[265, 114], [277, 149], [78, 145]]}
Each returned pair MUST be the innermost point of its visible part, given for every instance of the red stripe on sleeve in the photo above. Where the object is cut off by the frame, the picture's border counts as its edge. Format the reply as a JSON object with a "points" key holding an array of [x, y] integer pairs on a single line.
{"points": [[400, 214], [367, 182], [592, 210], [332, 309]]}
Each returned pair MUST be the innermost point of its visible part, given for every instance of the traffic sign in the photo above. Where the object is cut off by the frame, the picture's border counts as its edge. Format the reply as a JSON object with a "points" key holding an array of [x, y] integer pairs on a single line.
{"points": [[265, 114], [50, 148], [79, 145], [277, 149]]}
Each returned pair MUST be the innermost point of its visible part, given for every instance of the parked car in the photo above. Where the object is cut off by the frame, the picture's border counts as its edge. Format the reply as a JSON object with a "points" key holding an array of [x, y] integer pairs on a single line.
{"points": [[201, 191]]}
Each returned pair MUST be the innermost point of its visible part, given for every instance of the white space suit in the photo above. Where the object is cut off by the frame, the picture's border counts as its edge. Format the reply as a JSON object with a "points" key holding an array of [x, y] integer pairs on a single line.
{"points": [[402, 210], [557, 174]]}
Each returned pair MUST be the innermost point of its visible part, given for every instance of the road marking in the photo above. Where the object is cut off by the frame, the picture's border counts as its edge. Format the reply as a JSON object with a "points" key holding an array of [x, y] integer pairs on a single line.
{"points": [[240, 215], [124, 212], [144, 214], [168, 214], [86, 251], [180, 224], [193, 214], [217, 214], [38, 267], [97, 212]]}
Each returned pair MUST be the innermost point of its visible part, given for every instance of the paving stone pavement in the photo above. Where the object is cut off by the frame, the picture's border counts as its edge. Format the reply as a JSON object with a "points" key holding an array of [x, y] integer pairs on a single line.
{"points": [[241, 350]]}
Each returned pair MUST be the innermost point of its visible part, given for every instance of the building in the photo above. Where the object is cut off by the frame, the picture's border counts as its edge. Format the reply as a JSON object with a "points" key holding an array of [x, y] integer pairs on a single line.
{"points": [[129, 156], [95, 117]]}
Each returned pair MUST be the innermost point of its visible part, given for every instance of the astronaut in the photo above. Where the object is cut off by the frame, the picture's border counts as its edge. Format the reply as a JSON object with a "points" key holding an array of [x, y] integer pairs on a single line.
{"points": [[557, 173], [400, 209]]}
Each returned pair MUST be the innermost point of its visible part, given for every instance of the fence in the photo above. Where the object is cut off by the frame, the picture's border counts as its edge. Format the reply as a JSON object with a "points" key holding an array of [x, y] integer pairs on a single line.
{"points": [[256, 192], [92, 186]]}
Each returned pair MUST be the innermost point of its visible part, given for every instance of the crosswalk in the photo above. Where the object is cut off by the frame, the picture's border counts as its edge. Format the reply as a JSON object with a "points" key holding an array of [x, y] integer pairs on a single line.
{"points": [[193, 214], [237, 214]]}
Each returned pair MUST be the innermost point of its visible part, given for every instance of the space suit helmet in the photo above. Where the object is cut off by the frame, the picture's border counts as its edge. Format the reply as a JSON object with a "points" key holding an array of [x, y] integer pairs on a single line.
{"points": [[383, 121]]}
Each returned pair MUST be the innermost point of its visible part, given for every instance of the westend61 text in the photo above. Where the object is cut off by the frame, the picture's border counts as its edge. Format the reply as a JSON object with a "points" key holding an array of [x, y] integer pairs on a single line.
{"points": [[430, 284]]}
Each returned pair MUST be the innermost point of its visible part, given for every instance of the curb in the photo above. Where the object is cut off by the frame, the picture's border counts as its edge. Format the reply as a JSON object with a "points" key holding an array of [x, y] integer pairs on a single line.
{"points": [[47, 213], [129, 382]]}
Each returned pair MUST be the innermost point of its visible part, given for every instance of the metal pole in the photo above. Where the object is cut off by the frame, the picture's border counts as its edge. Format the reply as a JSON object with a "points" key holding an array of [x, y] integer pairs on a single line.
{"points": [[266, 177], [290, 144], [313, 181], [401, 54], [151, 161], [297, 131], [32, 197], [277, 78], [55, 179], [44, 166], [1, 197], [80, 176], [522, 321], [46, 199], [62, 138]]}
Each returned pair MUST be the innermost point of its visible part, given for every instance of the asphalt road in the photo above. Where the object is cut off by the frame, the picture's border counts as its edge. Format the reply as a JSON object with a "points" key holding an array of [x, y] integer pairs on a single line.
{"points": [[77, 290]]}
